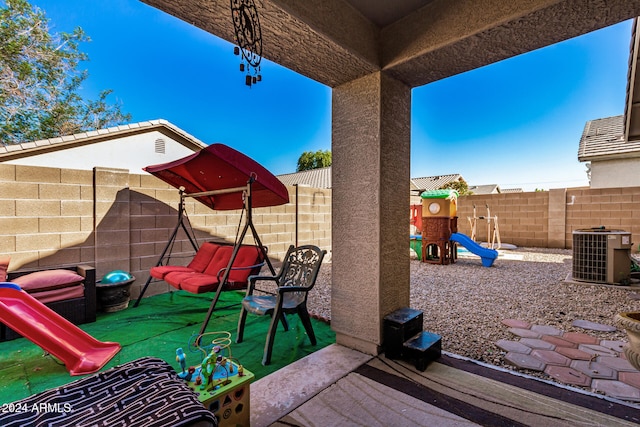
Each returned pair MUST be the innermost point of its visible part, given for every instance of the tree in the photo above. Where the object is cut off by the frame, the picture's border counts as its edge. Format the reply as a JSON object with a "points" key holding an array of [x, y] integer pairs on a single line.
{"points": [[39, 80], [314, 160], [460, 186]]}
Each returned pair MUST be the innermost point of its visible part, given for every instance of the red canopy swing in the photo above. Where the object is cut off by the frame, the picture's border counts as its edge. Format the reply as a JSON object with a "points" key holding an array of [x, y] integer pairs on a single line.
{"points": [[222, 179]]}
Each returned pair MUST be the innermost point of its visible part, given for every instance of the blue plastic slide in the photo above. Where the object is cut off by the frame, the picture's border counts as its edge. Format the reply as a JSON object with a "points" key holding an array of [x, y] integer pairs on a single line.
{"points": [[487, 255]]}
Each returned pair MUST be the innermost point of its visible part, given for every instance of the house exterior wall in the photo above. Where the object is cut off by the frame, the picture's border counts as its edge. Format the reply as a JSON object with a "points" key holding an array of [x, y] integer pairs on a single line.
{"points": [[615, 173], [132, 152], [112, 219]]}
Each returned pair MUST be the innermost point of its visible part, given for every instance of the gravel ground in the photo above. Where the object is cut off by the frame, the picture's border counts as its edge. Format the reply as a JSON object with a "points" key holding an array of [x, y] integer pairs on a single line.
{"points": [[465, 302]]}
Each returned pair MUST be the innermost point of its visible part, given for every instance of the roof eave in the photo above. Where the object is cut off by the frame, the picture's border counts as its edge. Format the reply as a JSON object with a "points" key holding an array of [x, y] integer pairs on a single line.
{"points": [[617, 156], [86, 138]]}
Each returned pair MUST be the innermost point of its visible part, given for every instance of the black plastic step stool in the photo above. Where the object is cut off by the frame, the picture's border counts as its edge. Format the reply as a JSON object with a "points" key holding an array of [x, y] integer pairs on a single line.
{"points": [[405, 339]]}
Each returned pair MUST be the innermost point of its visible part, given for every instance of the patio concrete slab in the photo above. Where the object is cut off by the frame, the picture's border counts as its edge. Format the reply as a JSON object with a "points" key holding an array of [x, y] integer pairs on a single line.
{"points": [[504, 399], [359, 401], [514, 346], [631, 378], [595, 369], [452, 391], [546, 330], [277, 394], [617, 389], [567, 375], [524, 333], [573, 353], [559, 341], [617, 363], [614, 345], [579, 338], [593, 326], [516, 323], [551, 357], [525, 361], [583, 359], [537, 343], [597, 350]]}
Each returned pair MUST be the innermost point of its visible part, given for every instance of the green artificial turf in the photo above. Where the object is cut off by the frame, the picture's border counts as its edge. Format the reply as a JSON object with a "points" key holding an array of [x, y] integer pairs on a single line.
{"points": [[157, 327]]}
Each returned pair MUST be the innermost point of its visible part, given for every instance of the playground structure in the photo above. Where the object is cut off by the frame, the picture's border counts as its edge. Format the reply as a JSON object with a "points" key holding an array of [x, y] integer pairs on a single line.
{"points": [[493, 232], [439, 225], [439, 221]]}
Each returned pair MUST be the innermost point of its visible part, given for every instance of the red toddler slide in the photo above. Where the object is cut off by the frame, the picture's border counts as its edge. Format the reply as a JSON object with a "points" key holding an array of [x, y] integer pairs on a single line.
{"points": [[80, 352]]}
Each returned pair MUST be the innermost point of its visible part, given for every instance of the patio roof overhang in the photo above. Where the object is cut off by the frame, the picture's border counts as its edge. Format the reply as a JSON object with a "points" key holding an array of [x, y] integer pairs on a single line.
{"points": [[415, 41], [372, 66], [632, 109]]}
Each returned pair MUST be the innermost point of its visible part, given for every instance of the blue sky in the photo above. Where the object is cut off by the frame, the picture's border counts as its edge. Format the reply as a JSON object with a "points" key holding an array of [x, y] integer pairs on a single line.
{"points": [[516, 123]]}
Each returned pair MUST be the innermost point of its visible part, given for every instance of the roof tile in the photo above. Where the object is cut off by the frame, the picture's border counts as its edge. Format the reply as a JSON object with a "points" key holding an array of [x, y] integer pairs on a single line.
{"points": [[605, 138], [316, 178]]}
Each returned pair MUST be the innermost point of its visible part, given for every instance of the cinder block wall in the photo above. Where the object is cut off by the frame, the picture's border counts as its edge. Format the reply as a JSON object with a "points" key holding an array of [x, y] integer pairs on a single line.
{"points": [[115, 220], [46, 216], [112, 219], [523, 218], [613, 208], [548, 218]]}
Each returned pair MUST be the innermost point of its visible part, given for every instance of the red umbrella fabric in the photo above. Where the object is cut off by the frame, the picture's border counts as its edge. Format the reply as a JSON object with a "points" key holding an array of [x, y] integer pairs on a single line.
{"points": [[219, 167]]}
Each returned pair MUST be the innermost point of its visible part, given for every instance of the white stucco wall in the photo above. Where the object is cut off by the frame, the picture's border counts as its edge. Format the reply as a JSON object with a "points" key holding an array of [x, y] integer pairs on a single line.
{"points": [[128, 152], [615, 173]]}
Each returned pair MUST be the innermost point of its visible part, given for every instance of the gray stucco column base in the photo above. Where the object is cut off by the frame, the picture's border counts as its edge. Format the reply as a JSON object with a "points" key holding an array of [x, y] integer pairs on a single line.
{"points": [[370, 215]]}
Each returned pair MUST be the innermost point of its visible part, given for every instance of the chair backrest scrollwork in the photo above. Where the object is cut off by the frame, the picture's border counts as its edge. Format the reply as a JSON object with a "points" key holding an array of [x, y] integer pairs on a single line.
{"points": [[301, 266]]}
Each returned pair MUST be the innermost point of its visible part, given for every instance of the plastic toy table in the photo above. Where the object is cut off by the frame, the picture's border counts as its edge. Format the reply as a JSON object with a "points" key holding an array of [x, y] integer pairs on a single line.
{"points": [[229, 399]]}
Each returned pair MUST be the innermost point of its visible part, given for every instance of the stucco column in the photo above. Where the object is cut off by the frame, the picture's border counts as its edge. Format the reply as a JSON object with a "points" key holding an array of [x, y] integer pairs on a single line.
{"points": [[371, 136]]}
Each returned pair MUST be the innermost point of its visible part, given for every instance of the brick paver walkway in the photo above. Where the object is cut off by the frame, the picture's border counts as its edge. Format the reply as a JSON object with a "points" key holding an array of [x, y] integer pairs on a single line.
{"points": [[573, 358]]}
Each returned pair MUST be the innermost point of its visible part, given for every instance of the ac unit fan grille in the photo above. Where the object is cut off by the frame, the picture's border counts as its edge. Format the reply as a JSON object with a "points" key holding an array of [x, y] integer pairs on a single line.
{"points": [[590, 257]]}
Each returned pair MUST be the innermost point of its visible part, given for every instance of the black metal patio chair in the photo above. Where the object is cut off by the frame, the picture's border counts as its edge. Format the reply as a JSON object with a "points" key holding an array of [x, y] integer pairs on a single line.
{"points": [[296, 278]]}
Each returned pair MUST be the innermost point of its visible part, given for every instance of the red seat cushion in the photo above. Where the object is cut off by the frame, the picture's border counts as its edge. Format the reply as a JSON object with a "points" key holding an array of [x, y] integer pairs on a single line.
{"points": [[219, 261], [161, 271], [197, 265], [207, 281], [203, 256], [247, 256], [176, 277], [199, 283]]}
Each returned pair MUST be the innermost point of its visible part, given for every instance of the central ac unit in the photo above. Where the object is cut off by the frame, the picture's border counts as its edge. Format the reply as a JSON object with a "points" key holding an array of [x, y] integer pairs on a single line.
{"points": [[602, 256]]}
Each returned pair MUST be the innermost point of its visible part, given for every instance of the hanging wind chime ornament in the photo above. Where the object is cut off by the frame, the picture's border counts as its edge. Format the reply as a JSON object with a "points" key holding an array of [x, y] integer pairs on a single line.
{"points": [[248, 38]]}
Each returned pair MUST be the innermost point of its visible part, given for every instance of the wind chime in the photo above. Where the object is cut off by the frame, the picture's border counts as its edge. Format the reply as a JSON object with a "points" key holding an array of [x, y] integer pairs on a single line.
{"points": [[249, 39]]}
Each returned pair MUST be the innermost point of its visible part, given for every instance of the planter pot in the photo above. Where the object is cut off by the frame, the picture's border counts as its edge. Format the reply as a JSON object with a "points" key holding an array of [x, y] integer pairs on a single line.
{"points": [[114, 296], [630, 322]]}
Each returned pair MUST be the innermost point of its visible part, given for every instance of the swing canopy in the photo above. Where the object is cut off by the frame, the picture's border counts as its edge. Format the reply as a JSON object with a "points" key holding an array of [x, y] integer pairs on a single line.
{"points": [[219, 168]]}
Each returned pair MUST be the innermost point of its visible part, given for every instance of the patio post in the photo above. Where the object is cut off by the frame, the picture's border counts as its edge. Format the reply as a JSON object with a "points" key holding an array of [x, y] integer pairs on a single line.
{"points": [[371, 134]]}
